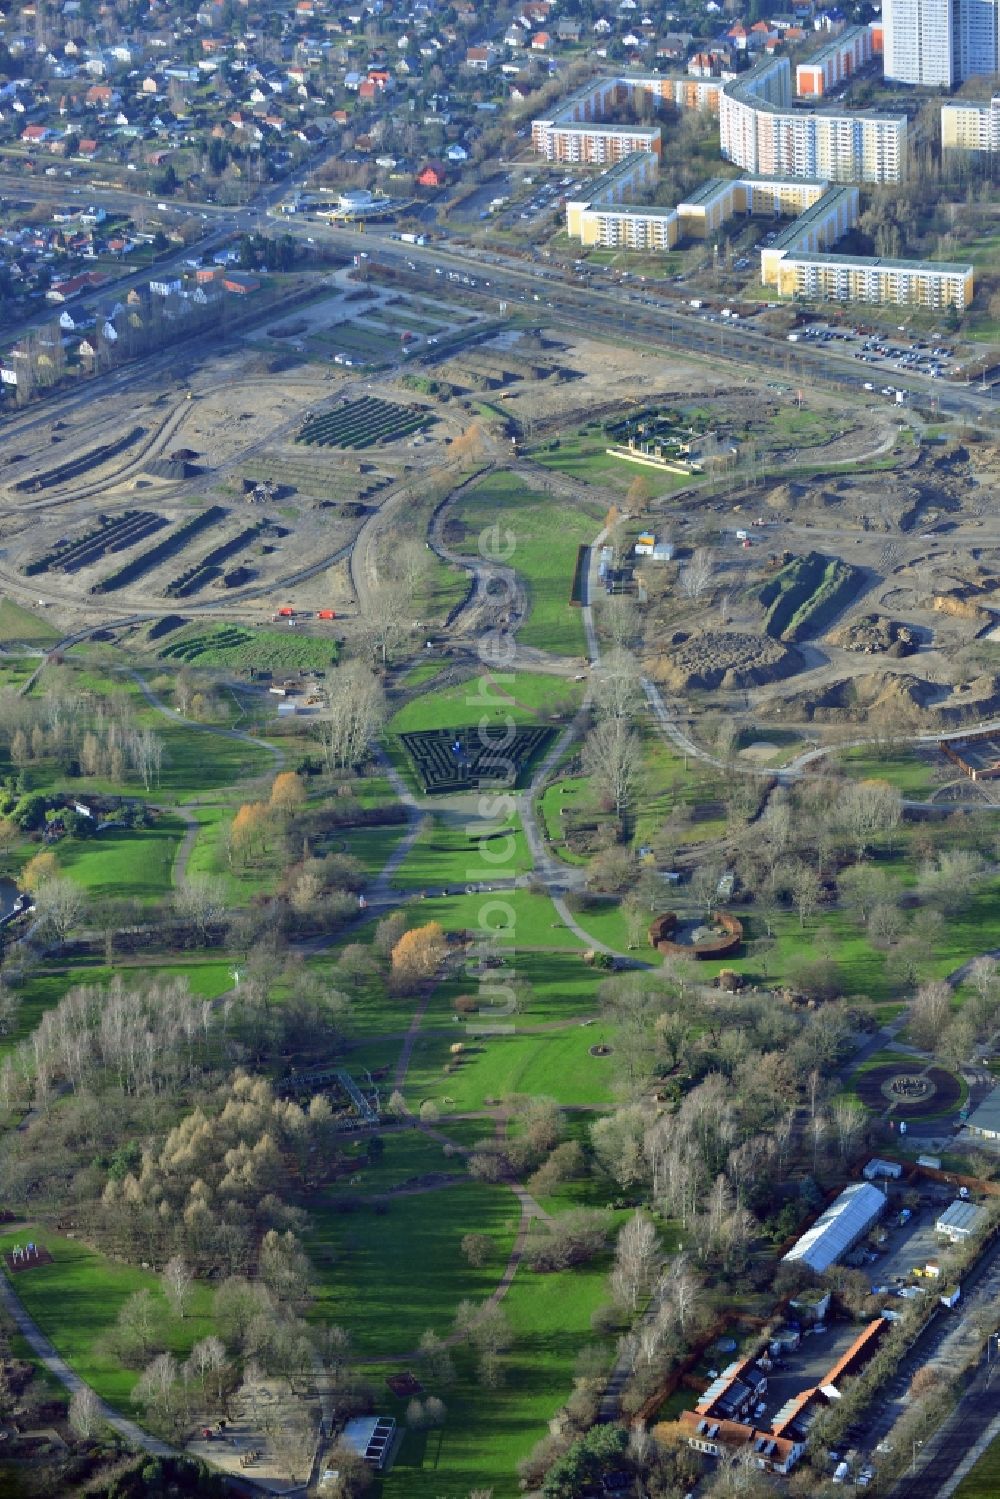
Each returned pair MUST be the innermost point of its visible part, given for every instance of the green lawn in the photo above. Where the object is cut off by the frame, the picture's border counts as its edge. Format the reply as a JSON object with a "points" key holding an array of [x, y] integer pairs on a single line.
{"points": [[523, 696], [545, 535], [585, 457], [388, 1276], [525, 920], [486, 1435], [983, 1482], [233, 645], [910, 770], [125, 862], [77, 1298], [448, 853], [555, 1063], [20, 626]]}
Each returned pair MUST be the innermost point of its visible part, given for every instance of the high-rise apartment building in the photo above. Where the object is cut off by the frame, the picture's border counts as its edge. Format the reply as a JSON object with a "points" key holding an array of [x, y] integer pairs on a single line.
{"points": [[938, 43]]}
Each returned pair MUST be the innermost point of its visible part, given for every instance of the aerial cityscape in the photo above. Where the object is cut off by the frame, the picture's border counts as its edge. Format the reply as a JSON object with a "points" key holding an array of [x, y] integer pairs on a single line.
{"points": [[499, 749]]}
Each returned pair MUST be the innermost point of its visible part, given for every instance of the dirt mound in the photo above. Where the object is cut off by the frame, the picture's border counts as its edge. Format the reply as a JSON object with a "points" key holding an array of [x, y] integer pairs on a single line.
{"points": [[727, 658], [163, 468], [875, 635], [902, 699]]}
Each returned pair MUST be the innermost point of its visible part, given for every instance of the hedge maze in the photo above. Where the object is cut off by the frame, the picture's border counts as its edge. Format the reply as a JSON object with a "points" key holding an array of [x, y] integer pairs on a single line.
{"points": [[460, 759], [361, 424]]}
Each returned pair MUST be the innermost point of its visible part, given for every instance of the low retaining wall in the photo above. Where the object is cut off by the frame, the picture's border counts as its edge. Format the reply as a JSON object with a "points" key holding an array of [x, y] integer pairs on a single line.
{"points": [[661, 930]]}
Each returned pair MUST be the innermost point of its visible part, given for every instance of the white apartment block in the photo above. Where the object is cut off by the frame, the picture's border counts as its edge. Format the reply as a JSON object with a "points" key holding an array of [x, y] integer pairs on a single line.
{"points": [[576, 131], [930, 284], [835, 63], [765, 134], [971, 127], [938, 43]]}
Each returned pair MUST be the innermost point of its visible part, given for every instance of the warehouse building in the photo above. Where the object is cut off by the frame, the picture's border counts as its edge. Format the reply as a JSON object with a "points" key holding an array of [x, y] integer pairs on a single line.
{"points": [[839, 1228], [959, 1221]]}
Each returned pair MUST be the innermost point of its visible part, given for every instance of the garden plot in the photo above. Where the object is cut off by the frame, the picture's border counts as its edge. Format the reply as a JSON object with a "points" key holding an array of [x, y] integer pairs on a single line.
{"points": [[110, 533], [361, 424], [233, 646], [171, 546]]}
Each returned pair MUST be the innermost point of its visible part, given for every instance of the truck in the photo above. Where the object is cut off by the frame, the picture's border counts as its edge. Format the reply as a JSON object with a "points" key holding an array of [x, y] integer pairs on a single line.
{"points": [[793, 338], [414, 239], [696, 303], [840, 1473]]}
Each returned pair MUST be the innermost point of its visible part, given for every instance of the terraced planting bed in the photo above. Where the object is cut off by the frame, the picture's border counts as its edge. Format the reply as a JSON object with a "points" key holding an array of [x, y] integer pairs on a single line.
{"points": [[209, 567], [231, 645], [175, 542], [110, 533], [457, 759], [361, 424], [73, 467]]}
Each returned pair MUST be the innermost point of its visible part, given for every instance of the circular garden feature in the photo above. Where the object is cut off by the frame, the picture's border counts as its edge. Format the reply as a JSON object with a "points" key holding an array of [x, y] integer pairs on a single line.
{"points": [[718, 937], [910, 1092]]}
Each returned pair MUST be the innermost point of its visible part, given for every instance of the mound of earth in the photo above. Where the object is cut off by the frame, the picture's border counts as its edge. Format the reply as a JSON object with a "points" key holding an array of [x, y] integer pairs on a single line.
{"points": [[875, 635], [899, 698], [727, 658], [164, 468]]}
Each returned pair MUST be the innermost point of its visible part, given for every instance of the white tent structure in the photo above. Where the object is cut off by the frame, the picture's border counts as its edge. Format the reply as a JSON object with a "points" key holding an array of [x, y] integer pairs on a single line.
{"points": [[839, 1228]]}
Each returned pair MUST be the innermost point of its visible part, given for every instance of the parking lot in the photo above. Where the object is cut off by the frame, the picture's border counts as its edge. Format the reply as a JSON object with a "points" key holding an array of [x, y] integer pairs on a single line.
{"points": [[806, 1366], [916, 1244]]}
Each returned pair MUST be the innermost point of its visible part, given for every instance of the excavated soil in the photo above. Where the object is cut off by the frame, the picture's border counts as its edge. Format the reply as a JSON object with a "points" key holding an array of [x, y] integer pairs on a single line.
{"points": [[728, 659]]}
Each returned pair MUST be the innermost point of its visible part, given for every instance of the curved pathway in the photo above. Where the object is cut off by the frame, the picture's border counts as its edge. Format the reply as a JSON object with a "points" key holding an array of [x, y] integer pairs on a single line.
{"points": [[130, 1431]]}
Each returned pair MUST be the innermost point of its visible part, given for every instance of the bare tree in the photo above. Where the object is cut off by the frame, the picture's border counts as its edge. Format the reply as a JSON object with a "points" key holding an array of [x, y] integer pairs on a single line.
{"points": [[868, 808], [618, 686], [611, 757], [637, 1259], [85, 1415], [357, 713], [177, 1284], [383, 622], [930, 1013], [201, 900], [59, 904], [696, 576]]}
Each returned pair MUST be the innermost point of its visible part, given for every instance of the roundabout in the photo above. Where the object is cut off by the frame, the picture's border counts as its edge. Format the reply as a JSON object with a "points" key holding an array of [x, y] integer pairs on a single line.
{"points": [[907, 1092]]}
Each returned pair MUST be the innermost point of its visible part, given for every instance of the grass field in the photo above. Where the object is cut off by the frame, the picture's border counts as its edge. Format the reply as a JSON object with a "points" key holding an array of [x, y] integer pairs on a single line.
{"points": [[910, 770], [448, 853], [483, 1440], [383, 1252], [125, 862], [232, 645], [555, 1063], [524, 697], [585, 457], [77, 1298], [546, 534], [983, 1482], [19, 626]]}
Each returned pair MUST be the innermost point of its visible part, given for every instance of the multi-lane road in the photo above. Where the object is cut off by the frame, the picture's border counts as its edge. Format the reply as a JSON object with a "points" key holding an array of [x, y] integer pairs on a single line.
{"points": [[657, 316]]}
